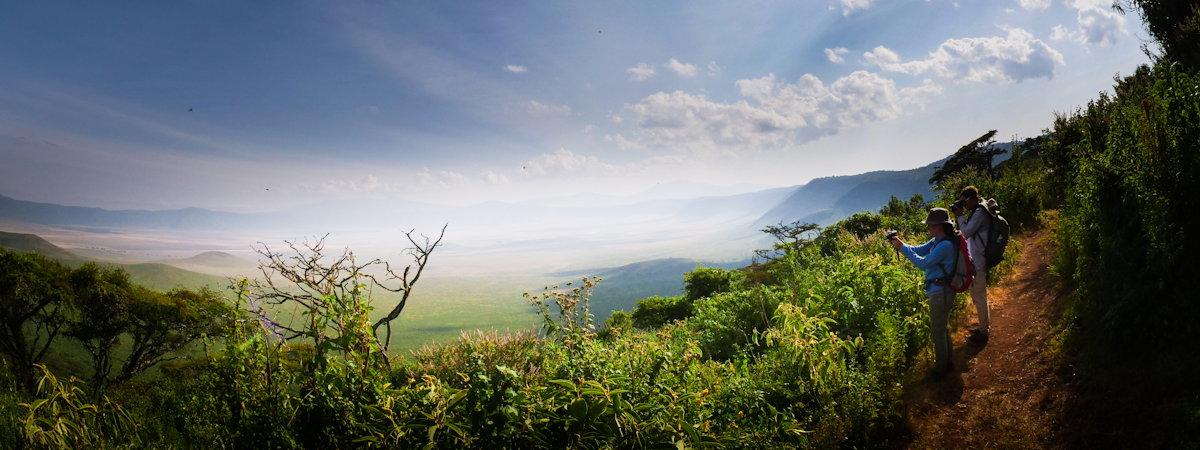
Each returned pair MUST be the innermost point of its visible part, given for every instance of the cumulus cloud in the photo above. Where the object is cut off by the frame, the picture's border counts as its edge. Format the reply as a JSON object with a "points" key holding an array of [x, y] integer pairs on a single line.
{"points": [[836, 55], [849, 6], [537, 108], [563, 161], [1098, 24], [681, 68], [514, 68], [1015, 57], [772, 113], [1034, 5], [640, 72]]}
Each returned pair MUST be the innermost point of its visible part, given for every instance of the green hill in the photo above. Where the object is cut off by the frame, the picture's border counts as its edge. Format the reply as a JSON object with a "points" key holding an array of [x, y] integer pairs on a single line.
{"points": [[164, 277], [23, 242], [152, 275]]}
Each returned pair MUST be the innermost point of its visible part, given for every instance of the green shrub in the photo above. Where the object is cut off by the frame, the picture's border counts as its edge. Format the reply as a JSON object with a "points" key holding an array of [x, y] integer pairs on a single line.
{"points": [[706, 281], [727, 323], [656, 311], [61, 417]]}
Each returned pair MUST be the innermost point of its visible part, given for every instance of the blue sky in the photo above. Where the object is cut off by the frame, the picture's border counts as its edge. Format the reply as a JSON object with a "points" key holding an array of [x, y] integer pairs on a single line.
{"points": [[265, 105]]}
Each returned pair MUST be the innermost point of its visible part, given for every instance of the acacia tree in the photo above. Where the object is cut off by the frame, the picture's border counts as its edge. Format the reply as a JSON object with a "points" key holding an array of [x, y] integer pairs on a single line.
{"points": [[791, 236], [100, 315], [334, 291], [33, 299], [161, 324], [976, 154]]}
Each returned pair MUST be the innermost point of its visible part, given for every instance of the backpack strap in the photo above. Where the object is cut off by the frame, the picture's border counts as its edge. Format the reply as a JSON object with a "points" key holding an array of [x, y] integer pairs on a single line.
{"points": [[949, 277], [991, 220]]}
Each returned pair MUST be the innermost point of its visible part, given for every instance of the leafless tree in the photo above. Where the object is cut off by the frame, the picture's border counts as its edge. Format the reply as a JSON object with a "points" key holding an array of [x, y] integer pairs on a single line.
{"points": [[324, 285]]}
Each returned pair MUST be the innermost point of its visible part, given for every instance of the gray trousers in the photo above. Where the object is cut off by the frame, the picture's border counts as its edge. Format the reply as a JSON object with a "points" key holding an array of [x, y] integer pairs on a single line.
{"points": [[979, 297], [939, 322]]}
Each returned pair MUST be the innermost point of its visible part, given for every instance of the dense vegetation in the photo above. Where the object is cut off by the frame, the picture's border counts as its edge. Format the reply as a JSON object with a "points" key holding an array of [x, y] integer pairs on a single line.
{"points": [[837, 316], [810, 346]]}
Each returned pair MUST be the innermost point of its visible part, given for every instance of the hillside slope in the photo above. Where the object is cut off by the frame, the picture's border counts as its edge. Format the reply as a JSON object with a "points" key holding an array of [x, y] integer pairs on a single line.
{"points": [[152, 275], [23, 242], [827, 200]]}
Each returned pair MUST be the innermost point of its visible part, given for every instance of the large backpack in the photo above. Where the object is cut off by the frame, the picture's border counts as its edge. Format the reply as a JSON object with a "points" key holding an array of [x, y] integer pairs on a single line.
{"points": [[998, 234], [962, 270]]}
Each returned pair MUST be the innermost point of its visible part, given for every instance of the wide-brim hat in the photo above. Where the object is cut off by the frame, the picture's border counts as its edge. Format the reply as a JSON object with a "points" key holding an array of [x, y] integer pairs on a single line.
{"points": [[937, 216]]}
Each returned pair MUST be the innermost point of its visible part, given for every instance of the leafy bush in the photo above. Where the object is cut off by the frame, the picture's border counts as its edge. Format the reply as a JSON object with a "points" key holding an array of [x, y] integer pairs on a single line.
{"points": [[61, 417], [656, 311], [728, 322], [706, 281]]}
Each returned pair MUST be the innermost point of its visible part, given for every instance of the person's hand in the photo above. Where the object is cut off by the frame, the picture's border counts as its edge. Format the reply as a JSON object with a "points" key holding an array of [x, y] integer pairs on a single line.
{"points": [[896, 243]]}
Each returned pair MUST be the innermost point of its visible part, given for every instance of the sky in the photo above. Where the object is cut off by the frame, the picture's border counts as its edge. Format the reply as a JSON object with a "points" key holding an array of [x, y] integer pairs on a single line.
{"points": [[261, 106]]}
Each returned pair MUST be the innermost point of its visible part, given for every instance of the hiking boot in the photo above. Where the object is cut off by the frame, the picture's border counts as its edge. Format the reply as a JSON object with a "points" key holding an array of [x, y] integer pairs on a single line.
{"points": [[978, 337]]}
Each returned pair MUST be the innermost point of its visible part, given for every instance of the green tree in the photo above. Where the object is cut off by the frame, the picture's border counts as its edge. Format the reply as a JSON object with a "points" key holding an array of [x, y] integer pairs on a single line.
{"points": [[100, 315], [159, 325], [1175, 24], [34, 297], [976, 154]]}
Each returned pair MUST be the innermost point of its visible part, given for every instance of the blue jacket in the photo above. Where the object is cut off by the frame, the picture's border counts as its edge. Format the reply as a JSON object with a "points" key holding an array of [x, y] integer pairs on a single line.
{"points": [[935, 258]]}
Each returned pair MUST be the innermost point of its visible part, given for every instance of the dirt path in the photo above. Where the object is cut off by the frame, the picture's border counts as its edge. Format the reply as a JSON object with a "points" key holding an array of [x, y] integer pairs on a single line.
{"points": [[1004, 394]]}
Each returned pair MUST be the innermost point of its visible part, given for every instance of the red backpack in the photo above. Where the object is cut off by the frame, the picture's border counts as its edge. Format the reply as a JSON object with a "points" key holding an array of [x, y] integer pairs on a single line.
{"points": [[962, 272]]}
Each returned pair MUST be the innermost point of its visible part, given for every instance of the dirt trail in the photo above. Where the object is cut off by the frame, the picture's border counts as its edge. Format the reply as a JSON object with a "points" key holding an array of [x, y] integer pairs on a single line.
{"points": [[1004, 394]]}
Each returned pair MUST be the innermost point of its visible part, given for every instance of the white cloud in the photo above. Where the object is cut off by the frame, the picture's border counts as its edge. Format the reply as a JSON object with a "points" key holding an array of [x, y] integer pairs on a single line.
{"points": [[849, 6], [440, 178], [544, 109], [516, 68], [623, 142], [589, 129], [1014, 57], [772, 113], [563, 161], [836, 55], [494, 178], [640, 72], [366, 185], [713, 68], [1034, 5], [1059, 33], [1098, 23], [681, 68]]}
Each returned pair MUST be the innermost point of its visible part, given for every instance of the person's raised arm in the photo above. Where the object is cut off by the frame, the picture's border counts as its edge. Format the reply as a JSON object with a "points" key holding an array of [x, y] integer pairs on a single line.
{"points": [[937, 255], [974, 224]]}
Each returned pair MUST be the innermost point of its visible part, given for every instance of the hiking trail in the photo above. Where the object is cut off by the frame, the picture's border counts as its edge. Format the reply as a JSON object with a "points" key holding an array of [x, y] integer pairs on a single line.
{"points": [[1004, 394]]}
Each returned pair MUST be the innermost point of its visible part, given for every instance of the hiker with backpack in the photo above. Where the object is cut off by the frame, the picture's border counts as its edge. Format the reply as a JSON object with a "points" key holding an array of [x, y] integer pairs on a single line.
{"points": [[987, 234], [975, 222], [948, 269]]}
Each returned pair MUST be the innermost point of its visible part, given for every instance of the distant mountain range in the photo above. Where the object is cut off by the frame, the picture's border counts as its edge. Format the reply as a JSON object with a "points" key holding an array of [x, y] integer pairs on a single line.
{"points": [[827, 200], [623, 286]]}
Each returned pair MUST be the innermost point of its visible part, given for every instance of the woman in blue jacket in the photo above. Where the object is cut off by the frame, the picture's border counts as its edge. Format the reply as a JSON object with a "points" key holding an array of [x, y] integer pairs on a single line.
{"points": [[936, 259]]}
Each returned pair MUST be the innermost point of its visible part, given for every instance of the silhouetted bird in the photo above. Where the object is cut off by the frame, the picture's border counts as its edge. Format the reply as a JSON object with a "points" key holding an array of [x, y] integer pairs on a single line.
{"points": [[189, 109]]}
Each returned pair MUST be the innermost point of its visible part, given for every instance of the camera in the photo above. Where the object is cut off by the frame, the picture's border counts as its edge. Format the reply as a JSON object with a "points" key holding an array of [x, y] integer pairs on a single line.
{"points": [[891, 234], [957, 205]]}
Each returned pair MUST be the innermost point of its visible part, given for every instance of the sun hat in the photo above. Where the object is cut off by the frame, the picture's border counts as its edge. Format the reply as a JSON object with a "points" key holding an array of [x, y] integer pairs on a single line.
{"points": [[938, 216]]}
